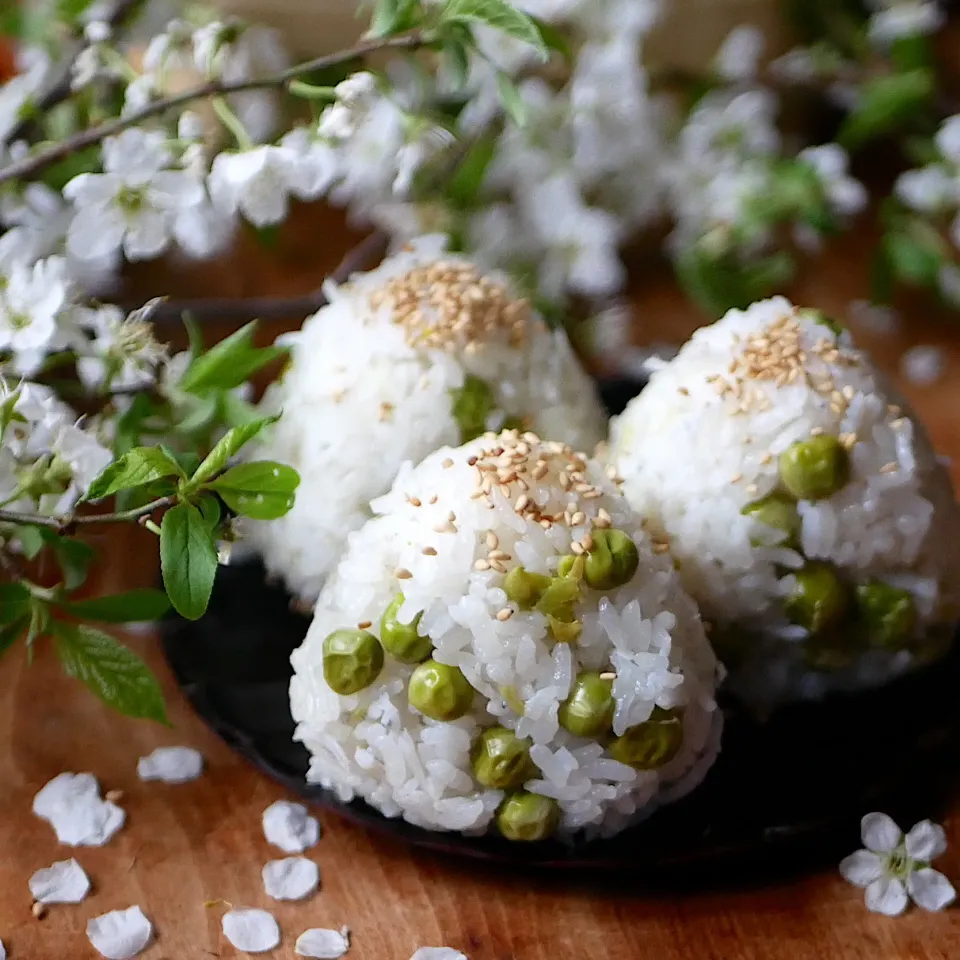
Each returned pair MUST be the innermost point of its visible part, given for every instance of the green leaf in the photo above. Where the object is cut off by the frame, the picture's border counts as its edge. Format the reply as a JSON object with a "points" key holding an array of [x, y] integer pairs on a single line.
{"points": [[194, 334], [554, 38], [911, 53], [229, 363], [134, 606], [14, 602], [464, 187], [231, 442], [58, 175], [498, 14], [74, 557], [912, 261], [10, 634], [235, 411], [886, 104], [455, 52], [209, 507], [136, 467], [31, 540], [199, 414], [188, 560], [261, 490], [115, 674], [511, 100], [393, 16], [130, 424]]}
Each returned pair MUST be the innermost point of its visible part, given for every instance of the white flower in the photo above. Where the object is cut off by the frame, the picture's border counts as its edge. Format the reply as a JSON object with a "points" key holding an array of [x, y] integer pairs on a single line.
{"points": [[123, 352], [169, 50], [948, 139], [313, 164], [190, 126], [255, 183], [738, 58], [133, 204], [15, 94], [845, 195], [417, 152], [30, 303], [927, 190], [949, 284], [724, 127], [894, 868], [97, 31], [140, 93], [903, 18]]}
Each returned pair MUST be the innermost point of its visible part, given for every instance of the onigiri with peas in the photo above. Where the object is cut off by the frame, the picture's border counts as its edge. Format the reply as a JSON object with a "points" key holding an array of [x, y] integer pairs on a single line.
{"points": [[503, 647], [802, 500], [422, 352]]}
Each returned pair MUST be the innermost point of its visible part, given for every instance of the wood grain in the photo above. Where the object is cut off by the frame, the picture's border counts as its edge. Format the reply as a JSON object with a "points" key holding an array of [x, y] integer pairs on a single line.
{"points": [[184, 845]]}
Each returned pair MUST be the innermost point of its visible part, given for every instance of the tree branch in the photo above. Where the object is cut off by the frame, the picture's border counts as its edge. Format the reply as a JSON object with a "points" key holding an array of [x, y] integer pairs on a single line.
{"points": [[29, 166], [362, 257], [66, 523]]}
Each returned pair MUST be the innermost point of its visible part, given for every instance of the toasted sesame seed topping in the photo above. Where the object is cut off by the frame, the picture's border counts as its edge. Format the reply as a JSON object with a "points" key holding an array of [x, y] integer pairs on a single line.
{"points": [[433, 499], [660, 546], [450, 305], [608, 675], [577, 548], [683, 391], [816, 432], [386, 410], [898, 423], [429, 551], [889, 468], [447, 463], [481, 565], [505, 614], [766, 458], [736, 478], [402, 573], [847, 440], [363, 624], [894, 410], [751, 488]]}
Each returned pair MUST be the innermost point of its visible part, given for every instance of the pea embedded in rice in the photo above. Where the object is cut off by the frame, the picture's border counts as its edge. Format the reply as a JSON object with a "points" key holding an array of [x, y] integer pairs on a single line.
{"points": [[804, 504], [422, 352], [549, 702]]}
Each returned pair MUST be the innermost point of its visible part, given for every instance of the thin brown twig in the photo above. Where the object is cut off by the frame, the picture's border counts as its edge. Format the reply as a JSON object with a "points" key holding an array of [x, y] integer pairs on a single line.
{"points": [[31, 165], [66, 523], [363, 256]]}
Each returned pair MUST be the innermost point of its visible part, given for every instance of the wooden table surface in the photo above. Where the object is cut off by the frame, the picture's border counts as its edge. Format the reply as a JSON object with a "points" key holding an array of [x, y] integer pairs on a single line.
{"points": [[189, 844]]}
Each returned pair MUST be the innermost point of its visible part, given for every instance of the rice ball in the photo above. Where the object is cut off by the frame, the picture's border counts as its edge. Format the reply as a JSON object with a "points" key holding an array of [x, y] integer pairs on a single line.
{"points": [[504, 647], [805, 506], [422, 352]]}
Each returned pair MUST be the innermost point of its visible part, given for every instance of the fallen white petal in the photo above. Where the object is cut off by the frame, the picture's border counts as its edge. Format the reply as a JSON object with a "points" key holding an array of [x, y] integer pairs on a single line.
{"points": [[886, 895], [3, 951], [288, 826], [322, 944], [861, 868], [171, 764], [291, 879], [71, 804], [930, 889], [879, 833], [63, 882], [253, 931], [926, 841], [438, 953], [120, 934]]}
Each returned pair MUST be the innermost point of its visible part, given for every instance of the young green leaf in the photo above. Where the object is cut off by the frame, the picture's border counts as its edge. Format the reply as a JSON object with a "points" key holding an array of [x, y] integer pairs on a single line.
{"points": [[209, 508], [10, 634], [464, 186], [393, 16], [136, 467], [14, 602], [130, 424], [74, 557], [886, 104], [498, 14], [188, 559], [229, 444], [511, 100], [134, 606], [31, 539], [115, 674], [261, 490], [229, 363]]}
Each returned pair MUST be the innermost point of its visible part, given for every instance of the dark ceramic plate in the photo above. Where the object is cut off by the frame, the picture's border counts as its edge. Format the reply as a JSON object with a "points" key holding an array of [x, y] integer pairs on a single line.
{"points": [[784, 794]]}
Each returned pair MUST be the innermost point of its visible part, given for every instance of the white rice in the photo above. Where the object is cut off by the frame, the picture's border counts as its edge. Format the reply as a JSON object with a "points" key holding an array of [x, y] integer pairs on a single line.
{"points": [[374, 745], [358, 400], [692, 460]]}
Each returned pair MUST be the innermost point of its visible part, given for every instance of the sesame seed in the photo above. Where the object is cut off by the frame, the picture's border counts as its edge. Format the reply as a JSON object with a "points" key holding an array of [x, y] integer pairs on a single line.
{"points": [[608, 675], [429, 551], [447, 463], [816, 432], [683, 391], [498, 555], [493, 541], [505, 614], [894, 410], [39, 910], [363, 624], [889, 468], [577, 548], [402, 573], [521, 503], [736, 478], [578, 518], [751, 488], [587, 542], [661, 547], [481, 565], [898, 423], [472, 461], [767, 458], [115, 796], [433, 499], [498, 566], [415, 501], [602, 514], [848, 392]]}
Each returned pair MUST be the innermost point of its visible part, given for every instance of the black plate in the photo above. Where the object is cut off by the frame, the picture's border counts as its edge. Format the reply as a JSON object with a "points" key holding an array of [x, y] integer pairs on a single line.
{"points": [[785, 793]]}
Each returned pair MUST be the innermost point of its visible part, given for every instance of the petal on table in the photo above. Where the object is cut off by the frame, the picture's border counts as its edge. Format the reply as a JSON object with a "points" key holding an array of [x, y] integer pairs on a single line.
{"points": [[861, 868], [886, 895], [930, 889], [926, 841], [879, 833]]}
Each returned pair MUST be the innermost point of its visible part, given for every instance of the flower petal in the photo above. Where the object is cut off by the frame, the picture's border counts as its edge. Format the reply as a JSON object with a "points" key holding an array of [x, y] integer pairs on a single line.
{"points": [[861, 868], [886, 896], [879, 833], [930, 889], [926, 841]]}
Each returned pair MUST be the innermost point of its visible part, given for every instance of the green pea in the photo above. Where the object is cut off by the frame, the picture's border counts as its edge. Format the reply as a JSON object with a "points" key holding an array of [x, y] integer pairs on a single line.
{"points": [[814, 469], [565, 631], [527, 817], [501, 760], [471, 405], [525, 588], [570, 567], [588, 711], [779, 511], [402, 640], [559, 599], [888, 613], [652, 744], [439, 691], [819, 317], [352, 660], [819, 599], [611, 561]]}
